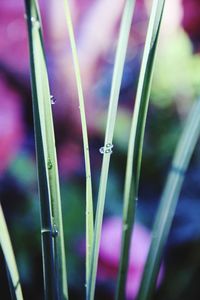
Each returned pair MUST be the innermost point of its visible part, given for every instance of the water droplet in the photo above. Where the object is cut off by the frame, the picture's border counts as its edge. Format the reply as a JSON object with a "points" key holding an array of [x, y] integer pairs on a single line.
{"points": [[109, 145], [101, 150], [25, 16], [35, 22], [53, 99], [49, 164], [125, 227], [85, 285], [107, 149], [55, 231]]}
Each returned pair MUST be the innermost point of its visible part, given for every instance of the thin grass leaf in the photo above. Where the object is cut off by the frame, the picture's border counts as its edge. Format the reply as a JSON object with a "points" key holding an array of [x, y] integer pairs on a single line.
{"points": [[9, 256], [54, 263], [107, 149], [46, 224], [169, 199], [136, 141], [10, 284], [89, 200]]}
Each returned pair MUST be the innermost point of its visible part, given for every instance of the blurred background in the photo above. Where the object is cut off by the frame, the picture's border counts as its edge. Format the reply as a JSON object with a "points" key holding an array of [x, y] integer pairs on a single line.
{"points": [[176, 85]]}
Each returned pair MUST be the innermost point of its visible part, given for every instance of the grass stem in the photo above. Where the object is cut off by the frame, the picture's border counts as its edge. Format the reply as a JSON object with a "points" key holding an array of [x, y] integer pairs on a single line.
{"points": [[169, 199], [54, 264], [89, 198], [136, 141], [9, 256], [107, 149]]}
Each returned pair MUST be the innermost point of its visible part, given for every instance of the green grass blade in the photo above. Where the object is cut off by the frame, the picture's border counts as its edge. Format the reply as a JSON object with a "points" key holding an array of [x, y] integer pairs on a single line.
{"points": [[54, 263], [9, 256], [112, 111], [136, 141], [169, 201], [54, 186], [46, 224], [89, 200], [11, 287]]}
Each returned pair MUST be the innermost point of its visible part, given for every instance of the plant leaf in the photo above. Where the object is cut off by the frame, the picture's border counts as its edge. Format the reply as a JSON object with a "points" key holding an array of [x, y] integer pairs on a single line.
{"points": [[54, 264], [136, 141], [89, 200], [9, 256], [107, 149], [169, 199]]}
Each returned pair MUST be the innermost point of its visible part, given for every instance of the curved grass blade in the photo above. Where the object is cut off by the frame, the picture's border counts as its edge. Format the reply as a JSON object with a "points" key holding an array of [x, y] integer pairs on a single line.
{"points": [[168, 202], [9, 256], [46, 224], [107, 149], [136, 141], [54, 264], [89, 201]]}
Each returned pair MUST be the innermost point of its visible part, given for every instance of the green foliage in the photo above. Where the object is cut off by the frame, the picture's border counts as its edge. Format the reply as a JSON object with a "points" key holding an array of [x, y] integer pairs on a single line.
{"points": [[175, 57], [9, 256], [89, 201], [107, 149], [169, 201], [55, 277], [136, 141], [165, 89]]}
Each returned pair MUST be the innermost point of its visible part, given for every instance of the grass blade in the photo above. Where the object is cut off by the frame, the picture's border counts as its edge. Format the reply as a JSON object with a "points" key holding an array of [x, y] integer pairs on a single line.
{"points": [[46, 214], [9, 256], [107, 149], [136, 141], [169, 201], [89, 200], [54, 263]]}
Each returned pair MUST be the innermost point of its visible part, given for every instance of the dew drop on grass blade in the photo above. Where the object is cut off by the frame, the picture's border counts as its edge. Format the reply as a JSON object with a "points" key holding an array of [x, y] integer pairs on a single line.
{"points": [[107, 150], [54, 264]]}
